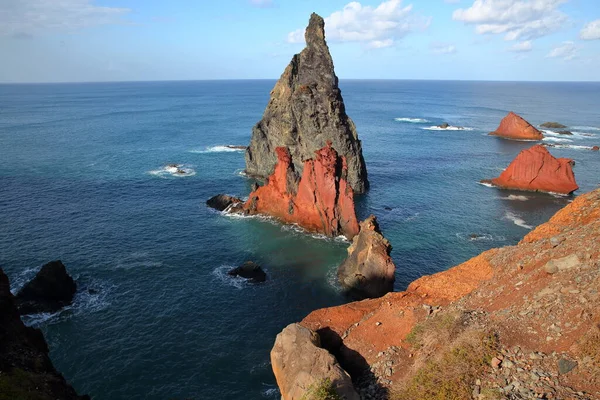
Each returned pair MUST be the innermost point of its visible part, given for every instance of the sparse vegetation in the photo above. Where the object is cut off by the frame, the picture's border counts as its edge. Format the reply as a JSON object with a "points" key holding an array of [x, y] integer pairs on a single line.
{"points": [[322, 390], [19, 385], [590, 345]]}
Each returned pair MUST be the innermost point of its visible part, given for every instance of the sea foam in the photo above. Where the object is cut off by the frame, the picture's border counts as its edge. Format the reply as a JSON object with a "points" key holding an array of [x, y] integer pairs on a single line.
{"points": [[517, 220], [449, 128], [412, 120], [218, 149], [173, 170]]}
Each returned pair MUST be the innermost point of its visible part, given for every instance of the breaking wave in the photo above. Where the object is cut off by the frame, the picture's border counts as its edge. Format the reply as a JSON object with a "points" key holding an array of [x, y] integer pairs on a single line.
{"points": [[517, 220], [412, 120], [449, 128], [174, 170], [220, 149]]}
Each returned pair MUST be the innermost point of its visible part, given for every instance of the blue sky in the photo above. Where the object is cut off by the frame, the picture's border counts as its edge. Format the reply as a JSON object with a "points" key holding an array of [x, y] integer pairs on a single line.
{"points": [[115, 40]]}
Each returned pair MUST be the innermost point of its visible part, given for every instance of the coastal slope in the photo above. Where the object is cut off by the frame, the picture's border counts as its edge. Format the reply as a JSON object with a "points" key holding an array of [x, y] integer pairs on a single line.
{"points": [[514, 322], [305, 111]]}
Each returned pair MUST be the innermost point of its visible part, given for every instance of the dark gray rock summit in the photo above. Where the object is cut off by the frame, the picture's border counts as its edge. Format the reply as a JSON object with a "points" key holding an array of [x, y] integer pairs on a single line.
{"points": [[305, 111]]}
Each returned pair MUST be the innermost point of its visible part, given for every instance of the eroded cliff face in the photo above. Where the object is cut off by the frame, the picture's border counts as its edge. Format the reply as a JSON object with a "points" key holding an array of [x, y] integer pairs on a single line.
{"points": [[515, 127], [306, 110], [524, 314], [320, 201], [26, 372], [535, 169]]}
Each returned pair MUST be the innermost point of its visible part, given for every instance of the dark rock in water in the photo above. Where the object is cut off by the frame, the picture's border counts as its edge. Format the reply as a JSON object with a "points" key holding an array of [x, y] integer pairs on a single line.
{"points": [[231, 146], [445, 125], [565, 132], [224, 202], [552, 125], [49, 291], [251, 271], [26, 371], [368, 271], [306, 110], [474, 236], [595, 148], [386, 208]]}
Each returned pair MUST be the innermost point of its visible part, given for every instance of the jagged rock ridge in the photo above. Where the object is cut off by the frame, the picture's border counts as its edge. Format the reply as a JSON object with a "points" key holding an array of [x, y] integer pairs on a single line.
{"points": [[305, 111], [513, 126]]}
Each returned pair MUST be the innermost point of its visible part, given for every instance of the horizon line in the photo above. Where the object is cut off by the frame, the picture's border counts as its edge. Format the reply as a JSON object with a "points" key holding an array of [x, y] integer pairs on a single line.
{"points": [[275, 79]]}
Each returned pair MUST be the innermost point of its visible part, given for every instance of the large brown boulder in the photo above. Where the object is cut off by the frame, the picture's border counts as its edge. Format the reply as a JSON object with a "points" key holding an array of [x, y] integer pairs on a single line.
{"points": [[305, 111], [514, 127], [50, 290], [368, 271], [299, 364], [320, 201], [535, 169], [26, 372]]}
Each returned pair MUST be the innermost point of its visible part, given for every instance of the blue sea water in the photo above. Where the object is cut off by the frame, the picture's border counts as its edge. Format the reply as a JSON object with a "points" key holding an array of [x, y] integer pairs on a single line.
{"points": [[83, 180]]}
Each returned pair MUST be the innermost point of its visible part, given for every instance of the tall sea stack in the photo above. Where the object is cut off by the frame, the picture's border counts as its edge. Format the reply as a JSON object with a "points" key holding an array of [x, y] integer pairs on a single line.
{"points": [[306, 110]]}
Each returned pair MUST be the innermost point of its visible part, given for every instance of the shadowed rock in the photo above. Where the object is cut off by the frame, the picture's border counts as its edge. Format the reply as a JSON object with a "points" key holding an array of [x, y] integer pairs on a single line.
{"points": [[222, 202], [552, 125], [305, 111], [50, 290], [250, 271], [26, 371], [368, 271]]}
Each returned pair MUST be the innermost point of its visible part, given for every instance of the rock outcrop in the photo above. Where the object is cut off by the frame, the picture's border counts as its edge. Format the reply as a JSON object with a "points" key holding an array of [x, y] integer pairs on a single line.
{"points": [[305, 111], [552, 125], [50, 290], [320, 201], [368, 271], [26, 372], [535, 169], [299, 364], [222, 202], [514, 127], [524, 312], [250, 271]]}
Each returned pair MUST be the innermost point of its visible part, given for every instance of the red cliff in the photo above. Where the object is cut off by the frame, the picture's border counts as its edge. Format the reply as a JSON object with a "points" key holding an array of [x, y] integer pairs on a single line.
{"points": [[514, 127], [535, 169], [321, 201]]}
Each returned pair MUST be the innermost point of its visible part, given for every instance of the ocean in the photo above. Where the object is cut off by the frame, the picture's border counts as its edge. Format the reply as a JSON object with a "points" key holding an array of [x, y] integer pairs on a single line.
{"points": [[84, 179]]}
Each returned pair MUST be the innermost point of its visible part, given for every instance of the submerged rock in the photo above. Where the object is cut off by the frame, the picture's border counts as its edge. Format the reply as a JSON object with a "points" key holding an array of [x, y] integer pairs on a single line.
{"points": [[514, 127], [595, 148], [565, 132], [50, 290], [26, 371], [368, 271], [320, 201], [535, 169], [222, 202], [552, 125], [250, 271], [306, 110], [445, 125], [300, 364]]}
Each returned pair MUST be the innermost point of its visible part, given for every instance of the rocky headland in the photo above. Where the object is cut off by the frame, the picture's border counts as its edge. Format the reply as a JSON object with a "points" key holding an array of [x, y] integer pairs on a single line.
{"points": [[26, 372], [305, 111], [535, 169], [518, 322], [515, 127]]}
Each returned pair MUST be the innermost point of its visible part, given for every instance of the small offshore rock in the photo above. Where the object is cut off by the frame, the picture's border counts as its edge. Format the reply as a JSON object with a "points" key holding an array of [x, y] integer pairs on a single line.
{"points": [[250, 271], [223, 202], [552, 125]]}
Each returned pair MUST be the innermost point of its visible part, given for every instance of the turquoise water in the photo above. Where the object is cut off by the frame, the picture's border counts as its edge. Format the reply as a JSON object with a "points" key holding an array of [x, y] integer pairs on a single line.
{"points": [[82, 180]]}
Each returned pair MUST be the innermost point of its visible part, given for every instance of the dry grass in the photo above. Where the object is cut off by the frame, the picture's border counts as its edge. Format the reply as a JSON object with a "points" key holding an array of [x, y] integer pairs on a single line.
{"points": [[590, 345], [321, 390]]}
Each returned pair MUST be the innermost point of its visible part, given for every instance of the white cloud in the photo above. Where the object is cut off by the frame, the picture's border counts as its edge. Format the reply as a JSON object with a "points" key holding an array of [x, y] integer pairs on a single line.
{"points": [[521, 47], [442, 48], [515, 19], [591, 30], [22, 18], [566, 51], [376, 27], [262, 3]]}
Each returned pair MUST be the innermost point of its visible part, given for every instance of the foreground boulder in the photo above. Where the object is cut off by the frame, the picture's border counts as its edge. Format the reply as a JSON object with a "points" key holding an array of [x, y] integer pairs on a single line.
{"points": [[535, 169], [50, 290], [222, 202], [514, 127], [300, 364], [26, 371], [305, 111], [320, 201], [368, 271], [250, 271]]}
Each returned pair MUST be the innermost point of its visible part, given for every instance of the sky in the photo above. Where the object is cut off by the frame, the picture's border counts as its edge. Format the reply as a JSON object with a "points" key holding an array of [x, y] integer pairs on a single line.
{"points": [[147, 40]]}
